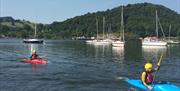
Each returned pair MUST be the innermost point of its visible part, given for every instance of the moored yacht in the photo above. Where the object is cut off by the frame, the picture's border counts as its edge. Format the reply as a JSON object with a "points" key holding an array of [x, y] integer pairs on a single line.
{"points": [[33, 40], [100, 41], [154, 41], [120, 41]]}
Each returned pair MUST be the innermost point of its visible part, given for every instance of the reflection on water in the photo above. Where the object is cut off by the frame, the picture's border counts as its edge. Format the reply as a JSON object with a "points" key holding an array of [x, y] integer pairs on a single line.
{"points": [[36, 68], [118, 53], [152, 53], [101, 50], [98, 51], [33, 47]]}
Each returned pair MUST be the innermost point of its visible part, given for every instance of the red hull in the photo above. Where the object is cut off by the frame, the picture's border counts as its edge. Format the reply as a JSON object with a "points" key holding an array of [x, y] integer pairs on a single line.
{"points": [[35, 61]]}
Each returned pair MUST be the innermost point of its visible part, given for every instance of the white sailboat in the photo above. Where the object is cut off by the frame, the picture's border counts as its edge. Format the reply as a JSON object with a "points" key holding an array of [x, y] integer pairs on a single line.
{"points": [[170, 41], [99, 41], [94, 40], [154, 41], [33, 40], [120, 42]]}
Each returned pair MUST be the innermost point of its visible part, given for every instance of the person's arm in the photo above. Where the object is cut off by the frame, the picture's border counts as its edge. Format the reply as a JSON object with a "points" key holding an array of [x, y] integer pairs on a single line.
{"points": [[143, 77]]}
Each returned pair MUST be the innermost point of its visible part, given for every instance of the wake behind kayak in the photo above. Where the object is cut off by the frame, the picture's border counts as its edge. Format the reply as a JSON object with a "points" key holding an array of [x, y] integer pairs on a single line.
{"points": [[35, 61], [156, 87]]}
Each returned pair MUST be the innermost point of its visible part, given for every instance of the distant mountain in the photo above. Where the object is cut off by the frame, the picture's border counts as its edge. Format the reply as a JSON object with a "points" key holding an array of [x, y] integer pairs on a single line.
{"points": [[10, 27], [139, 20], [6, 19]]}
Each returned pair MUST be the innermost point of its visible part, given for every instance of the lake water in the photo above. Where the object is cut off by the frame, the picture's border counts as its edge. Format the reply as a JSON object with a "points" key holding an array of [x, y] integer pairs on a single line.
{"points": [[77, 66]]}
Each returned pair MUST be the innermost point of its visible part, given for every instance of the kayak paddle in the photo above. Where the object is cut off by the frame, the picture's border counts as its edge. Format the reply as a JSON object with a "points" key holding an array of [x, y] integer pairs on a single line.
{"points": [[160, 60], [159, 63]]}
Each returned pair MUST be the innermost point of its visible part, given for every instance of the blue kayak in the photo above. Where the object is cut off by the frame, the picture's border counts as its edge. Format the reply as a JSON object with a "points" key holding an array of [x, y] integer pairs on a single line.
{"points": [[156, 87]]}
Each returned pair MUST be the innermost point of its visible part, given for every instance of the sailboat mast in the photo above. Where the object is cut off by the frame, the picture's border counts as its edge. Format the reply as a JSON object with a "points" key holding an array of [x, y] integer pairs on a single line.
{"points": [[122, 25], [97, 28], [109, 31], [103, 26], [35, 31], [156, 24], [169, 31]]}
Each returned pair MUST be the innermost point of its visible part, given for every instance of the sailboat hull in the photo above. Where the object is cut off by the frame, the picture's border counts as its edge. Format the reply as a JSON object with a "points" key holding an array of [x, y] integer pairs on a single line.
{"points": [[173, 42], [154, 43], [98, 42], [38, 41], [118, 44]]}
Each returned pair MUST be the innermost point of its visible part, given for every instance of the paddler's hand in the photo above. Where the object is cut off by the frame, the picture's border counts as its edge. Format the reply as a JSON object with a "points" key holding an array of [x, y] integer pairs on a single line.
{"points": [[158, 64], [150, 87]]}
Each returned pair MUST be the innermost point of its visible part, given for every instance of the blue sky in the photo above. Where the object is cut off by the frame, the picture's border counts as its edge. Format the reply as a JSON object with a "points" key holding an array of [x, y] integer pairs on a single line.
{"points": [[47, 11]]}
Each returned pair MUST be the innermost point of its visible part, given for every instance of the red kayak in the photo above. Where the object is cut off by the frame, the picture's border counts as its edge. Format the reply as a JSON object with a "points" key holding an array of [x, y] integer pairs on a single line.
{"points": [[35, 61]]}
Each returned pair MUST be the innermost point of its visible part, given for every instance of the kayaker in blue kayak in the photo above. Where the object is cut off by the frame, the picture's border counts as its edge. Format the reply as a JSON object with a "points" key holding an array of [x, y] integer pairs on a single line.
{"points": [[34, 54], [147, 77]]}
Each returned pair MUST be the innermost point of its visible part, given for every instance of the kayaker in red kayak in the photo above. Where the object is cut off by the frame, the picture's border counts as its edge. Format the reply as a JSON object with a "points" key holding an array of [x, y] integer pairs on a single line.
{"points": [[34, 55], [147, 77]]}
